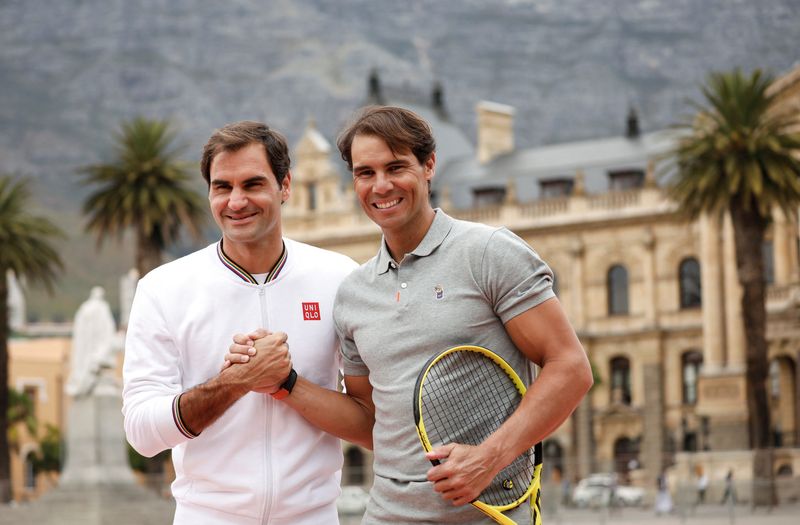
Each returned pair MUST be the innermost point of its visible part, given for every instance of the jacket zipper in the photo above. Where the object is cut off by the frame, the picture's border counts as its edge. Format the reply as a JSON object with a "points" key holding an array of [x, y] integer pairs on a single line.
{"points": [[268, 474]]}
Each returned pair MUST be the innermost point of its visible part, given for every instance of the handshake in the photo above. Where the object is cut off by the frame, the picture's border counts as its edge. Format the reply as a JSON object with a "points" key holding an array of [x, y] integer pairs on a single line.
{"points": [[259, 361]]}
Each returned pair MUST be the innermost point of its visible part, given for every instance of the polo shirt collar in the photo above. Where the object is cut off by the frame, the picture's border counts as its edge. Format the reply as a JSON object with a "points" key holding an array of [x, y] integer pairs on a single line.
{"points": [[246, 276], [440, 227]]}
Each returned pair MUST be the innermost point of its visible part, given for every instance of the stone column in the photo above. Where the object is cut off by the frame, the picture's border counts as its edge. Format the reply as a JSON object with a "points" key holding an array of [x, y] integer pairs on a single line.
{"points": [[797, 401], [734, 324], [584, 437], [649, 274], [711, 281], [578, 287], [652, 452]]}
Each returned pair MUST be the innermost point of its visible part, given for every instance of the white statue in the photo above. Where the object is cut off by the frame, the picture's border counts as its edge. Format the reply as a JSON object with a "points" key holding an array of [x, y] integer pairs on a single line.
{"points": [[96, 453], [94, 343], [127, 289]]}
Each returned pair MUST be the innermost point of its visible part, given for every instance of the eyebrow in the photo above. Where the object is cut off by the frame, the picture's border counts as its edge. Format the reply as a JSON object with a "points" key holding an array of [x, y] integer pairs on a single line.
{"points": [[224, 182], [393, 162]]}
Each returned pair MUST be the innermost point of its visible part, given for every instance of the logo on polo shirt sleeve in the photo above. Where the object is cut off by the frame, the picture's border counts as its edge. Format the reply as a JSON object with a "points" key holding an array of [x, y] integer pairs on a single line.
{"points": [[311, 312]]}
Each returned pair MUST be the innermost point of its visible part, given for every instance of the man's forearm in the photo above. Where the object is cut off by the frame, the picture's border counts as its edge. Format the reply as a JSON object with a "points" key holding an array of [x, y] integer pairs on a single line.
{"points": [[548, 403], [203, 404], [336, 413]]}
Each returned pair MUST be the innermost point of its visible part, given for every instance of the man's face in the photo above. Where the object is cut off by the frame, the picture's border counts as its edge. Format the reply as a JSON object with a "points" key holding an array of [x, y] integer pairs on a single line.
{"points": [[245, 198], [392, 188]]}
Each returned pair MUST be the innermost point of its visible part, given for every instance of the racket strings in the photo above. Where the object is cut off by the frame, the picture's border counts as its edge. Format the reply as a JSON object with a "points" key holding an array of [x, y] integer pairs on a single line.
{"points": [[465, 397]]}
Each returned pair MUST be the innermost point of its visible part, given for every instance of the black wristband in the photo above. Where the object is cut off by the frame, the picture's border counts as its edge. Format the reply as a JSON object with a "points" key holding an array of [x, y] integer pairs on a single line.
{"points": [[287, 386]]}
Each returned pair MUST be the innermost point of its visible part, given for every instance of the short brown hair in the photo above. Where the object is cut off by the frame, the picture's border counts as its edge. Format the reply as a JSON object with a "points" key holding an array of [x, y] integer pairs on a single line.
{"points": [[237, 135], [400, 128]]}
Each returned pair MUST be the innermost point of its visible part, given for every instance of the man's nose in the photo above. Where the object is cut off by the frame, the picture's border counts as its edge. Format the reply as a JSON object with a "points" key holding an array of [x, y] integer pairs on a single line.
{"points": [[237, 199], [383, 183]]}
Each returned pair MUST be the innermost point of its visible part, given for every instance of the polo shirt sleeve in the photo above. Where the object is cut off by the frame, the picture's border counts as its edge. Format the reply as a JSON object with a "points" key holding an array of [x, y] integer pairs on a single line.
{"points": [[514, 277], [352, 364]]}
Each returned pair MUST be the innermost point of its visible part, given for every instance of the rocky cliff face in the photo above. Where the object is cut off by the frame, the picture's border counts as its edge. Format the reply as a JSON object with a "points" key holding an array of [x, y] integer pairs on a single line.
{"points": [[72, 69]]}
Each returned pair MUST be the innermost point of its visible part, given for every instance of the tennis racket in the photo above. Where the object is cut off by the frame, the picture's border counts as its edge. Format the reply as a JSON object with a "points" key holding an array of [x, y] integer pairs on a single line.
{"points": [[463, 395]]}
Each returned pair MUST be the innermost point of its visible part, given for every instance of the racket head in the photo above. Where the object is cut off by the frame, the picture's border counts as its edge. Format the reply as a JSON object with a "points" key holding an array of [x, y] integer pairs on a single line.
{"points": [[464, 394]]}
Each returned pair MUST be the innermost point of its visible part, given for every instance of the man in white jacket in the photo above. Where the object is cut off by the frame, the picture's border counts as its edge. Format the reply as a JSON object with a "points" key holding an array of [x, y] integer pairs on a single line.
{"points": [[240, 456]]}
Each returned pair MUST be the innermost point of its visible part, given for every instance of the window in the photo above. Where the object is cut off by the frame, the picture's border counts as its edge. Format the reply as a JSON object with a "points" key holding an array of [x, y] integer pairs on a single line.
{"points": [[769, 262], [775, 379], [488, 196], [550, 188], [32, 393], [625, 179], [312, 196], [621, 380], [691, 363], [29, 472], [626, 455], [354, 466], [617, 290], [689, 277]]}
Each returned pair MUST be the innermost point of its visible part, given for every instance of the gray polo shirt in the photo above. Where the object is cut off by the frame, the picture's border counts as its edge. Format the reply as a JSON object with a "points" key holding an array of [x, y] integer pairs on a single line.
{"points": [[459, 286]]}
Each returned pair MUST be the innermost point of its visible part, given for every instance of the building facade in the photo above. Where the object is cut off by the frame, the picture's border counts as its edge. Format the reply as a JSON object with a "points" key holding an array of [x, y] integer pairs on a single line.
{"points": [[653, 297]]}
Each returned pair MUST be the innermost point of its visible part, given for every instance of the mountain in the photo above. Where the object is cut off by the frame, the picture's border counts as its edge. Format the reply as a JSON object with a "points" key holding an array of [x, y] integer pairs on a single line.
{"points": [[73, 69]]}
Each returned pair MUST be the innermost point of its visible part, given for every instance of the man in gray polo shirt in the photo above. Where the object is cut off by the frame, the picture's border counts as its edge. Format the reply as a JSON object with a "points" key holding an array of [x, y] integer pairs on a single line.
{"points": [[435, 283]]}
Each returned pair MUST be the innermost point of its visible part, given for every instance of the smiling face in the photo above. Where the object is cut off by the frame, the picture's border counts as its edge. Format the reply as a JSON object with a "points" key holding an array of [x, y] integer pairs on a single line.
{"points": [[245, 201], [392, 189]]}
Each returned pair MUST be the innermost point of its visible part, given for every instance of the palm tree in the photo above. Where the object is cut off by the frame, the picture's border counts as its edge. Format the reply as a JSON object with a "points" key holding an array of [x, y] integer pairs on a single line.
{"points": [[26, 250], [146, 188], [739, 155], [20, 410]]}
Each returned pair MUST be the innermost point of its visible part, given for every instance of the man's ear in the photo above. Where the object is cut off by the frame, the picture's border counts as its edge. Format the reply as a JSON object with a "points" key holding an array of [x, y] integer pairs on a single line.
{"points": [[286, 187], [430, 167]]}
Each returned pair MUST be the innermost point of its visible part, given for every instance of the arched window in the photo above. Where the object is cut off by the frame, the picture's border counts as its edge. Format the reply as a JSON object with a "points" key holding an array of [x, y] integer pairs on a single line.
{"points": [[689, 277], [617, 286], [621, 380], [626, 455], [775, 379], [691, 362]]}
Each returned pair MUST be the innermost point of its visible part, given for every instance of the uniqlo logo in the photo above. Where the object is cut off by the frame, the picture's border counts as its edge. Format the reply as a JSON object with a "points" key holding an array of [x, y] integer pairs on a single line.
{"points": [[311, 311]]}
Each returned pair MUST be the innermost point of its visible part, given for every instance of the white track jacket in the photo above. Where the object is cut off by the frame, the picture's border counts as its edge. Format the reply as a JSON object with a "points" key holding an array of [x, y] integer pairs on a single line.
{"points": [[260, 462]]}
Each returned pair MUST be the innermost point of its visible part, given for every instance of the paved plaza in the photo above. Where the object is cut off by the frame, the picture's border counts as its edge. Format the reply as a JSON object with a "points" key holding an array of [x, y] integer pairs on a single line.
{"points": [[131, 508], [705, 515]]}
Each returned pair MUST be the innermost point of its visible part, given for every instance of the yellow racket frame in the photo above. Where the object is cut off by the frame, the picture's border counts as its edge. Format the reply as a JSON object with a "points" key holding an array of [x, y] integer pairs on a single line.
{"points": [[534, 490]]}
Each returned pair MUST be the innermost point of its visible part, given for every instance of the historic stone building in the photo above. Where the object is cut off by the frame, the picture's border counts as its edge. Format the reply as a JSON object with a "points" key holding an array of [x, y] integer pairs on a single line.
{"points": [[654, 298]]}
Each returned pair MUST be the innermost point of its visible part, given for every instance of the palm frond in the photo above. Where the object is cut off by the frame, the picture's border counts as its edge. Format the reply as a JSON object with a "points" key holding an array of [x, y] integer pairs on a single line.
{"points": [[26, 238], [737, 147], [146, 188]]}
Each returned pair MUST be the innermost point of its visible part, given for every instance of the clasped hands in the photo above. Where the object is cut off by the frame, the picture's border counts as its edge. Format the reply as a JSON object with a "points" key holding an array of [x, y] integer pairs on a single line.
{"points": [[261, 358]]}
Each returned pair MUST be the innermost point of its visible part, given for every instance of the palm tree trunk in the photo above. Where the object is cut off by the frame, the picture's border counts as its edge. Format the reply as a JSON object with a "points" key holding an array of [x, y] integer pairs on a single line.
{"points": [[5, 459], [749, 227], [148, 254]]}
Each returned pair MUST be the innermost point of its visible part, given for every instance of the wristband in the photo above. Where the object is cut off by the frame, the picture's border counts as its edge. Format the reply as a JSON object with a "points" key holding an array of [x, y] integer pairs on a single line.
{"points": [[286, 387]]}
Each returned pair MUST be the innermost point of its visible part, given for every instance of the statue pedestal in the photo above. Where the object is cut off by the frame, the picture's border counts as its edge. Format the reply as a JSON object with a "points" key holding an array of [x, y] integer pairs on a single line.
{"points": [[96, 451]]}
